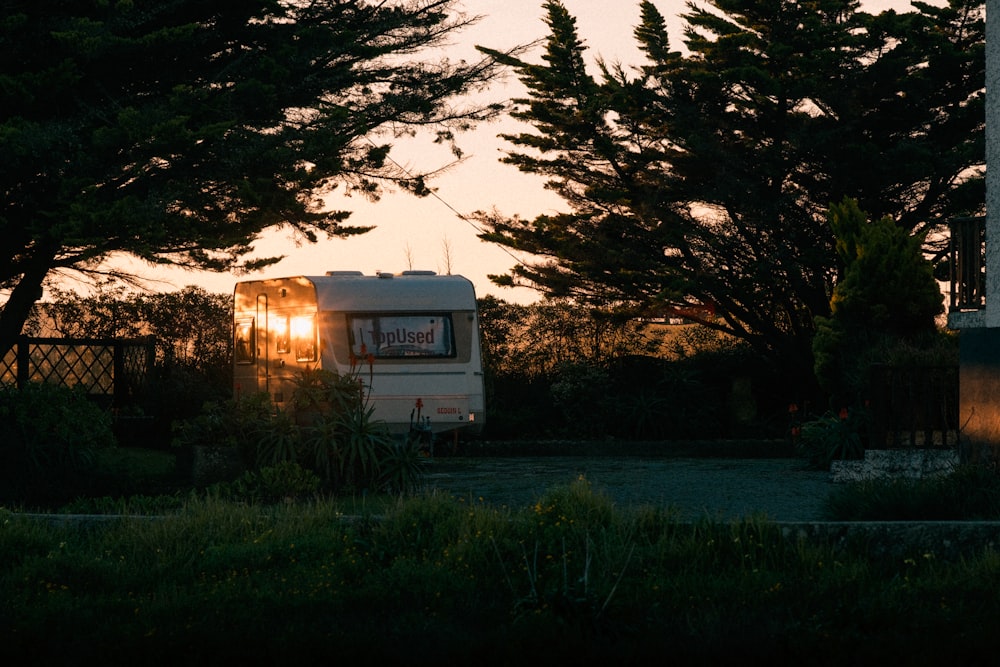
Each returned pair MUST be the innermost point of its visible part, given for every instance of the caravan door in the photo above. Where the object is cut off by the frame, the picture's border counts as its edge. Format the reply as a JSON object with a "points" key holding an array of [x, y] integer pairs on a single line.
{"points": [[250, 348]]}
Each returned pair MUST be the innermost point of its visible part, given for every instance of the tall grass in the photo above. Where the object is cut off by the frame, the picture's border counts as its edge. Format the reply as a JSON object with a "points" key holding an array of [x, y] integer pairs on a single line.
{"points": [[970, 492], [443, 580]]}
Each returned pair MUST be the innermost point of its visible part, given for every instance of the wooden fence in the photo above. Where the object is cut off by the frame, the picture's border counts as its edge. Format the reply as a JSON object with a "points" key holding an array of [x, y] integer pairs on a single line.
{"points": [[115, 372]]}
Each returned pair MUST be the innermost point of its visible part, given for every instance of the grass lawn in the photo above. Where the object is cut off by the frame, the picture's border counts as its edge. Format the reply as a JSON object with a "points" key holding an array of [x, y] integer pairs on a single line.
{"points": [[439, 580]]}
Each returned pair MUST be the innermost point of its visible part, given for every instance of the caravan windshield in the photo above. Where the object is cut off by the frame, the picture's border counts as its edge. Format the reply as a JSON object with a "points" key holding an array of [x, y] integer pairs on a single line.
{"points": [[401, 335]]}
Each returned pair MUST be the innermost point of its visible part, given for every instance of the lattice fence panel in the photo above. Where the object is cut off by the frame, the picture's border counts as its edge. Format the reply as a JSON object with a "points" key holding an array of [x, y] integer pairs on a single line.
{"points": [[110, 368], [91, 366], [8, 365]]}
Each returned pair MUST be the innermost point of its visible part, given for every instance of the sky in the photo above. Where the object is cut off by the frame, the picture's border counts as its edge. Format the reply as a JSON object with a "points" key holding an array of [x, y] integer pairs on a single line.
{"points": [[430, 233]]}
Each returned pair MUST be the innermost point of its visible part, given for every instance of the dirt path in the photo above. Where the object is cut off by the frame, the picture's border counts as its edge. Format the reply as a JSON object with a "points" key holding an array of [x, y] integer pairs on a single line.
{"points": [[782, 489]]}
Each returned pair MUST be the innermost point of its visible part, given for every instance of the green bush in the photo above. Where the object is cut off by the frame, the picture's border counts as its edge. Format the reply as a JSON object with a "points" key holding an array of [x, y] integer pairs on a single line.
{"points": [[329, 431], [49, 437], [132, 505], [401, 468], [323, 391], [832, 437], [886, 295], [520, 406], [232, 423], [561, 370], [283, 482], [968, 493], [580, 393], [277, 440]]}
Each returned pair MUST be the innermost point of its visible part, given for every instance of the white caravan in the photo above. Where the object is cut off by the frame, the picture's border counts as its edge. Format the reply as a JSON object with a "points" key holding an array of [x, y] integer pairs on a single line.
{"points": [[418, 330]]}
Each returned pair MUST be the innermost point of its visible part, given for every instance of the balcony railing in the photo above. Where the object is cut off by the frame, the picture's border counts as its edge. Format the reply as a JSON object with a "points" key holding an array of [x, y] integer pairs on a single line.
{"points": [[968, 264]]}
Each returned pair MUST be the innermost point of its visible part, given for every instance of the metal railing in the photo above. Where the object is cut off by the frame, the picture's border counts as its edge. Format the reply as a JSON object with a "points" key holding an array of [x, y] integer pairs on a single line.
{"points": [[913, 406], [967, 253]]}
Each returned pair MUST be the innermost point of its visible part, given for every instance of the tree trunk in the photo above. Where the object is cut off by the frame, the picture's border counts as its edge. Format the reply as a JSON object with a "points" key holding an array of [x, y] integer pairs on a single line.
{"points": [[27, 291]]}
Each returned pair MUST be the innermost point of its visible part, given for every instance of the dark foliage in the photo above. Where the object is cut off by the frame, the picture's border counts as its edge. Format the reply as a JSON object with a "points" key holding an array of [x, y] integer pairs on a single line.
{"points": [[177, 131], [704, 178]]}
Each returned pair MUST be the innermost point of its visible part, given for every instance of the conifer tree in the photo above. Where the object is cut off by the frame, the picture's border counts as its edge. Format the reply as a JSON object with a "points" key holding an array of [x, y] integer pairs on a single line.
{"points": [[888, 292], [705, 177], [177, 131]]}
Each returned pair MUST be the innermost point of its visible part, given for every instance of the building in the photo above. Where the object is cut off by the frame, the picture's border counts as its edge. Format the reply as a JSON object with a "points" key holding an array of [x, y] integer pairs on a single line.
{"points": [[975, 291]]}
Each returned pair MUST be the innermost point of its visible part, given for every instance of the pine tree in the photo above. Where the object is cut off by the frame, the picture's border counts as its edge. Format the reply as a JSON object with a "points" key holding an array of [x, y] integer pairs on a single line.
{"points": [[177, 131], [705, 177], [887, 292]]}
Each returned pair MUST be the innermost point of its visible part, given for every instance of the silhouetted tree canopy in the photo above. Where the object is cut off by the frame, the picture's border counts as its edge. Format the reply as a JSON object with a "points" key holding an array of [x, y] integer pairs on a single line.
{"points": [[177, 131], [705, 176]]}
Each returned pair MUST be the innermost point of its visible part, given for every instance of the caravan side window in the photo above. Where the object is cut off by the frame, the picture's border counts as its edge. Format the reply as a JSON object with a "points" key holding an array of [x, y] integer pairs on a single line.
{"points": [[402, 335], [281, 335], [244, 343], [302, 331]]}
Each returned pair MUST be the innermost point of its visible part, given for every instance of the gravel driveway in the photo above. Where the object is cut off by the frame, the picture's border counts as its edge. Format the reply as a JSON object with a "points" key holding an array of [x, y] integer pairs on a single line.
{"points": [[782, 489]]}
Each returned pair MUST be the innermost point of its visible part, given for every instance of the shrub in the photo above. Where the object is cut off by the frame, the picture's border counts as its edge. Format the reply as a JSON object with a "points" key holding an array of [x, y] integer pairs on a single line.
{"points": [[664, 399], [401, 467], [137, 505], [233, 423], [329, 431], [833, 437], [277, 440], [580, 392], [887, 293], [363, 447], [320, 390], [284, 482], [519, 406], [968, 493], [49, 436]]}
